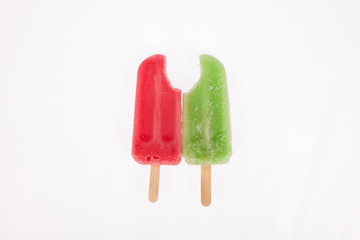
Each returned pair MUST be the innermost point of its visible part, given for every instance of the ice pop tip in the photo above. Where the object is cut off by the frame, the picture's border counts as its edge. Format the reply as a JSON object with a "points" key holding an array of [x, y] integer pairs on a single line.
{"points": [[158, 59], [156, 62], [210, 65], [207, 58]]}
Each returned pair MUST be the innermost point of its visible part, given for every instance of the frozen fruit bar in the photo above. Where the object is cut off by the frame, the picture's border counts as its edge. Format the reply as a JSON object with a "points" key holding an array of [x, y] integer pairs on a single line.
{"points": [[157, 123], [206, 117]]}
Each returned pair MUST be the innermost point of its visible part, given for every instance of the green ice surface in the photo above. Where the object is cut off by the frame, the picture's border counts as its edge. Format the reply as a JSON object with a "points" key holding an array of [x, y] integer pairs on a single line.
{"points": [[206, 116]]}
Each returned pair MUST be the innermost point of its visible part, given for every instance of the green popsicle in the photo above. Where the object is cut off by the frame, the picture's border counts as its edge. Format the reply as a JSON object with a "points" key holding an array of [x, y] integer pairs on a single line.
{"points": [[206, 122], [206, 117]]}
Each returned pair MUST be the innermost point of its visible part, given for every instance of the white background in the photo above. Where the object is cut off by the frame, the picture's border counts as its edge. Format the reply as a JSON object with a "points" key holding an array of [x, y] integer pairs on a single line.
{"points": [[67, 89]]}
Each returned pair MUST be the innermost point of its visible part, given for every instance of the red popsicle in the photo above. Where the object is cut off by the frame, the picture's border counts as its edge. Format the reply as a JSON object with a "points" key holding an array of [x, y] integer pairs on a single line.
{"points": [[157, 123]]}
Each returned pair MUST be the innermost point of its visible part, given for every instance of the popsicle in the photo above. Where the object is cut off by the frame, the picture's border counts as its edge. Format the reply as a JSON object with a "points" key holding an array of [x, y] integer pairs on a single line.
{"points": [[157, 121], [206, 122]]}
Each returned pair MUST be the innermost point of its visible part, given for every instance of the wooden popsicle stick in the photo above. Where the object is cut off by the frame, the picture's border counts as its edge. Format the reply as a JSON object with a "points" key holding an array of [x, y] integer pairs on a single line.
{"points": [[154, 183], [205, 185]]}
